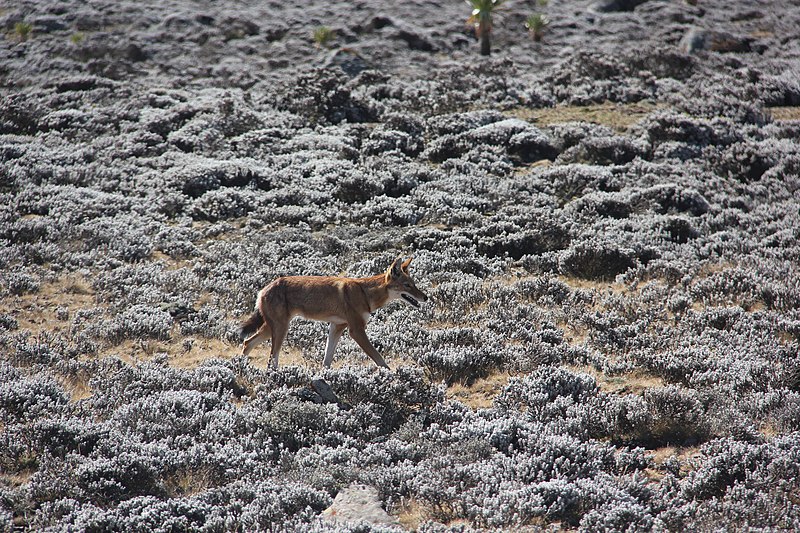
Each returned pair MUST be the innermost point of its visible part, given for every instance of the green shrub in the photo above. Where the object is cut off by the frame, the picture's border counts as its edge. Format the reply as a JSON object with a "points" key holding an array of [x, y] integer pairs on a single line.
{"points": [[536, 24], [323, 35], [23, 30]]}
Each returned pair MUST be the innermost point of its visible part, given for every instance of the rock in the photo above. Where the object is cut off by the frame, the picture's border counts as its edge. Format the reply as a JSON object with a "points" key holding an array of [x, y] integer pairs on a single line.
{"points": [[697, 39], [324, 390], [358, 503]]}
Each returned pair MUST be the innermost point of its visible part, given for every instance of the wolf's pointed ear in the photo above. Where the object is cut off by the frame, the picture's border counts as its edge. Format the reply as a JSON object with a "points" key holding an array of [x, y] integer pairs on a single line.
{"points": [[396, 270], [406, 263]]}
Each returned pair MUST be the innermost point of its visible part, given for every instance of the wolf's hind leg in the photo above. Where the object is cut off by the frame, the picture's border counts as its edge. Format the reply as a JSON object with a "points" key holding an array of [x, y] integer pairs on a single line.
{"points": [[279, 331], [334, 334]]}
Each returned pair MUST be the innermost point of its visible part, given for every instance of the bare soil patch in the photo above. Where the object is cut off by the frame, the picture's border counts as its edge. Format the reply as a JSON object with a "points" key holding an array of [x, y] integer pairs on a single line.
{"points": [[481, 393], [618, 117], [785, 112]]}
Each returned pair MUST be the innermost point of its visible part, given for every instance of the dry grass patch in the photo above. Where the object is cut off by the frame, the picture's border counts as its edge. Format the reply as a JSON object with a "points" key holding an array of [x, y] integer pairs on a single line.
{"points": [[188, 482], [635, 382], [660, 455], [191, 352], [37, 312], [16, 480], [290, 356], [785, 113], [16, 472], [769, 430], [687, 456], [710, 268], [183, 352], [481, 393], [574, 334], [410, 514], [618, 117], [169, 262], [599, 286], [77, 387], [50, 309]]}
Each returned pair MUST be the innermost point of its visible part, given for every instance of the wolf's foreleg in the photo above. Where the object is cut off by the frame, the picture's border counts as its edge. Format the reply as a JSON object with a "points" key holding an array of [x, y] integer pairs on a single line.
{"points": [[359, 335]]}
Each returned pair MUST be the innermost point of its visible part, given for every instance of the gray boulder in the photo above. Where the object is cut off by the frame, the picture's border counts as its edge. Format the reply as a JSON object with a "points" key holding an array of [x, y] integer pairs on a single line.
{"points": [[356, 504]]}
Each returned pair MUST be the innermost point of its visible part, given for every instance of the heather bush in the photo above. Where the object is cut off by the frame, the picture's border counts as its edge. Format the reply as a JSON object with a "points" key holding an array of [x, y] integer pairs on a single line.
{"points": [[597, 261], [607, 233], [23, 398], [590, 76], [322, 96]]}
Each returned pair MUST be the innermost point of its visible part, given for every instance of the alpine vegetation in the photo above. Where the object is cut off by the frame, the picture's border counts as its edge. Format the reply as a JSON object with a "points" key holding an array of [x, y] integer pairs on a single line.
{"points": [[603, 325]]}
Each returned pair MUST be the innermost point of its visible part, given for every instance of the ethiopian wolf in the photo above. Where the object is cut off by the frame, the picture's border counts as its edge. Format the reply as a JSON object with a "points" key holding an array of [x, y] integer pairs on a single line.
{"points": [[345, 303]]}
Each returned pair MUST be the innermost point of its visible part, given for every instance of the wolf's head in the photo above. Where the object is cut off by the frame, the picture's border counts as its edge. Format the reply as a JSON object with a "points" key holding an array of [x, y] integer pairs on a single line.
{"points": [[401, 285]]}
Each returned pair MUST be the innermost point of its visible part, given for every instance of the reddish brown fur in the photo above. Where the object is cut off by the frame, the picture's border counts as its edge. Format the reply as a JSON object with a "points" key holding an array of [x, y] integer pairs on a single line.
{"points": [[345, 303]]}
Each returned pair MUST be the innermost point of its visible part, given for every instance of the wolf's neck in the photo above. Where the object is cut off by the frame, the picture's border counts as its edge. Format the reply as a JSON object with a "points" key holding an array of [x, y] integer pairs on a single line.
{"points": [[375, 289]]}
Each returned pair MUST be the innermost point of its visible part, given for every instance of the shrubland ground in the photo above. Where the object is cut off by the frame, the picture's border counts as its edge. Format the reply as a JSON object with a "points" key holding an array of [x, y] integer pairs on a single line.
{"points": [[606, 222]]}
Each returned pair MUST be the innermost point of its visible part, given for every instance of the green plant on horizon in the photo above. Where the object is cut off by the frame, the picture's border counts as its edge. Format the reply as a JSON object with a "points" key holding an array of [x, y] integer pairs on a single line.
{"points": [[481, 19], [77, 37], [23, 30], [536, 24], [323, 35]]}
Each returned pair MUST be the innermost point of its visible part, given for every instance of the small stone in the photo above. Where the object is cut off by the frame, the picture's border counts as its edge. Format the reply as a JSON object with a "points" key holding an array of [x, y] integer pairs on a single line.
{"points": [[358, 503], [325, 391]]}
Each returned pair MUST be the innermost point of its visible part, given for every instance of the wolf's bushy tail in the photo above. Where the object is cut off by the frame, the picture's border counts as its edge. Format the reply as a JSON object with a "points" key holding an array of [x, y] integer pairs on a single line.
{"points": [[251, 325]]}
